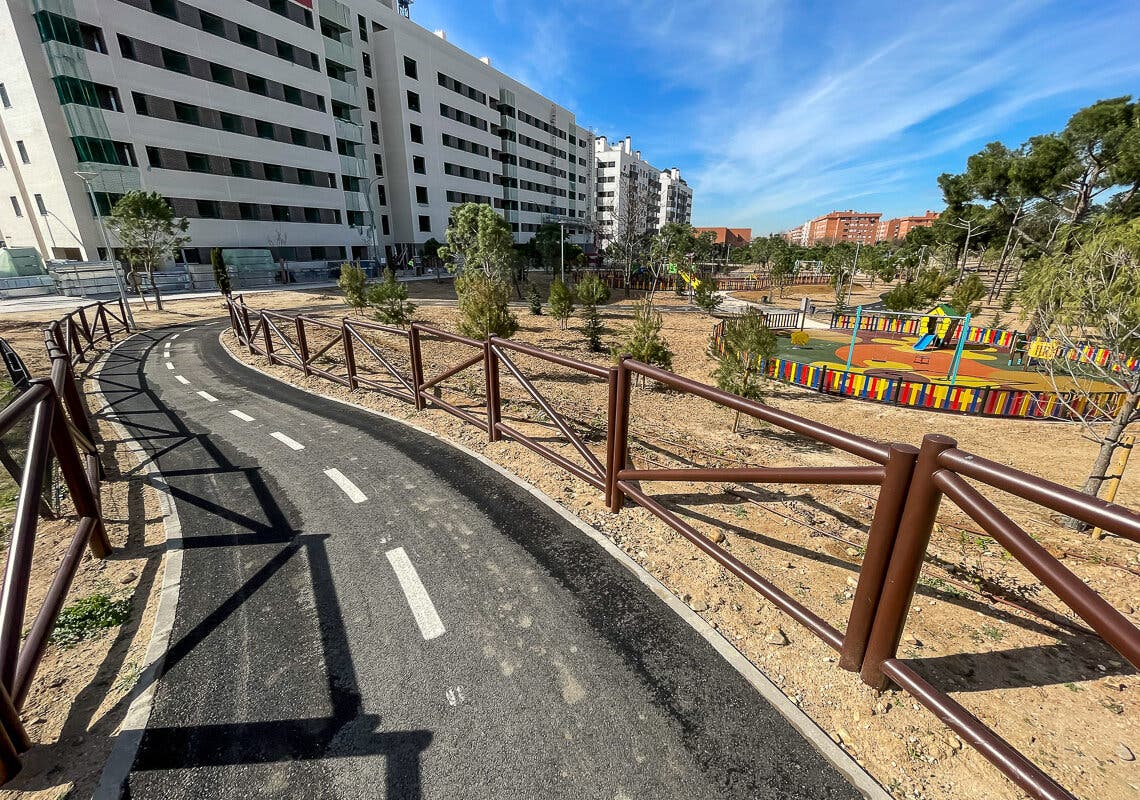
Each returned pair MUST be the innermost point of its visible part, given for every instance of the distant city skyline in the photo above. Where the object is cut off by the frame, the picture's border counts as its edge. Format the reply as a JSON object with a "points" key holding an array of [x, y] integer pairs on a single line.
{"points": [[777, 111]]}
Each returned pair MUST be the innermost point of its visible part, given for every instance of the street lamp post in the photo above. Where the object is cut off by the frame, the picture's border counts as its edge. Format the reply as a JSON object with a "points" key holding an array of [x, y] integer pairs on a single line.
{"points": [[87, 177], [372, 220], [562, 247]]}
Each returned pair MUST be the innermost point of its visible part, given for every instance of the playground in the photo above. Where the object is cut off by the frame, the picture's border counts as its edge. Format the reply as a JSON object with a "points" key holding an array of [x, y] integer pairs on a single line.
{"points": [[921, 356]]}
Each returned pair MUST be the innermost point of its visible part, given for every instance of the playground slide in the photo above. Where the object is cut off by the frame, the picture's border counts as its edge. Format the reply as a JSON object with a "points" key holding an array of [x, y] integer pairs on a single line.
{"points": [[925, 343]]}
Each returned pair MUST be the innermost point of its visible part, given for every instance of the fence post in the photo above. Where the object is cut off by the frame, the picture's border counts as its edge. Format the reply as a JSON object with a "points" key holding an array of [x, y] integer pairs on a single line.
{"points": [[914, 529], [13, 738], [620, 433], [302, 344], [349, 354], [611, 406], [417, 366], [102, 317], [123, 313], [494, 406], [247, 329], [268, 337], [880, 542], [823, 380], [84, 495]]}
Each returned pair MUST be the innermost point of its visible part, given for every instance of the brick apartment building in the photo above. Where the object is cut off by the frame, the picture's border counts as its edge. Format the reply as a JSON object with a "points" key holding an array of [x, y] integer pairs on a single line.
{"points": [[899, 227], [733, 237], [867, 227]]}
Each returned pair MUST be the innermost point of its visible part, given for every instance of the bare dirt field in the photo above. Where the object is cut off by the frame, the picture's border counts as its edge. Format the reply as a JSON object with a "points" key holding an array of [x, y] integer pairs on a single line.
{"points": [[982, 627]]}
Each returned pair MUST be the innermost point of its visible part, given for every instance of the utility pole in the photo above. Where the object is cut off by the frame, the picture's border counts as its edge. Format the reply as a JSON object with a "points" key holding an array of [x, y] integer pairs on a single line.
{"points": [[562, 247], [854, 266], [87, 177]]}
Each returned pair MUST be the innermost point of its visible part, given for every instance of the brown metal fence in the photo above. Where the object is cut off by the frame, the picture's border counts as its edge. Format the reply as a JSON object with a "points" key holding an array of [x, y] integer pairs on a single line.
{"points": [[911, 484], [60, 430]]}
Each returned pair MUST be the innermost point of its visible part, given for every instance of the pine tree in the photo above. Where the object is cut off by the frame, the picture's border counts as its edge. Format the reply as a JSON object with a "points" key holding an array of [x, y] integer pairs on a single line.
{"points": [[221, 274], [642, 339], [354, 283], [748, 343], [561, 302], [591, 291], [534, 299], [483, 309], [389, 300], [705, 295]]}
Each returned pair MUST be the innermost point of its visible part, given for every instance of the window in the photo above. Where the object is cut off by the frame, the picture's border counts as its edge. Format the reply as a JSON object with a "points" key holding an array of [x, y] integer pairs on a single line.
{"points": [[417, 133], [247, 36], [212, 23], [383, 224], [231, 123], [421, 195], [371, 98], [264, 129], [257, 85], [413, 101], [274, 173], [19, 213], [293, 95], [280, 213], [40, 205], [285, 51], [425, 224], [184, 112], [381, 195], [209, 209], [312, 215], [198, 162], [165, 8], [240, 168], [141, 107], [221, 74], [419, 166], [247, 211], [23, 152], [175, 61], [298, 136], [4, 96], [378, 162], [410, 69], [367, 61], [362, 27], [375, 132]]}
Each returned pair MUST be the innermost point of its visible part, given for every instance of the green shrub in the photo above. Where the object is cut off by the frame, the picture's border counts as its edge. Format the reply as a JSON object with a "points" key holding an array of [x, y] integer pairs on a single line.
{"points": [[642, 340], [87, 617], [591, 290], [354, 283], [483, 307], [389, 300], [534, 300], [221, 274], [561, 302], [705, 295]]}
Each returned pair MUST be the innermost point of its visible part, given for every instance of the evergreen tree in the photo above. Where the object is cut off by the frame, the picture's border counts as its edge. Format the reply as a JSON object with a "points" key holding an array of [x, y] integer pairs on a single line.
{"points": [[642, 340], [354, 283], [705, 295], [221, 274], [748, 344], [389, 300], [561, 301], [534, 300], [591, 291], [483, 309]]}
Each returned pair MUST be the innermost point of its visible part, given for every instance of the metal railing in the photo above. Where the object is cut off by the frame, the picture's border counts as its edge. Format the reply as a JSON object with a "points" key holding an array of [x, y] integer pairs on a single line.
{"points": [[911, 484], [60, 430]]}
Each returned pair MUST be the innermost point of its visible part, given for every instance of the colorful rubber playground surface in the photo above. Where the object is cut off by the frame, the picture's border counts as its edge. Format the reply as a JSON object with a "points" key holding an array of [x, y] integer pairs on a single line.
{"points": [[886, 355]]}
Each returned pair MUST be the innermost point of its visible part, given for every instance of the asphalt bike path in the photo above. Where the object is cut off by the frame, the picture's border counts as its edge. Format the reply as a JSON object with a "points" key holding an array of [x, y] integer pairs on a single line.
{"points": [[366, 612]]}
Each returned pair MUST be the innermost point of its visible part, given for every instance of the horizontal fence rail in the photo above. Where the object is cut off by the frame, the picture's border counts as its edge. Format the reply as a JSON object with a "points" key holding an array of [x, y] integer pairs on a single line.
{"points": [[911, 483], [60, 432]]}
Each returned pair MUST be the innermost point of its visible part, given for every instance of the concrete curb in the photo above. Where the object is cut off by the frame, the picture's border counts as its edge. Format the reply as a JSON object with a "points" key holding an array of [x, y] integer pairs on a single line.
{"points": [[118, 767], [805, 725]]}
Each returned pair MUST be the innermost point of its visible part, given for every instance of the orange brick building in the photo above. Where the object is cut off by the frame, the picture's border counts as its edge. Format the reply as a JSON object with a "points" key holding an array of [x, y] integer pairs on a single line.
{"points": [[899, 227], [734, 237], [843, 226]]}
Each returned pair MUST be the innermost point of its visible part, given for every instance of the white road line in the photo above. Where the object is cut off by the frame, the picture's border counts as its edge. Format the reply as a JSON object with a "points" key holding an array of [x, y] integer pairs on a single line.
{"points": [[242, 416], [354, 494], [208, 397], [292, 444], [175, 336], [181, 380], [418, 600], [170, 365]]}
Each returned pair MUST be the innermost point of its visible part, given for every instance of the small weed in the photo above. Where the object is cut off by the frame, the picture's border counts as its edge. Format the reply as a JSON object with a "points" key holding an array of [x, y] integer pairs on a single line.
{"points": [[1115, 708], [840, 598], [992, 633], [129, 676], [740, 511], [87, 617], [1072, 687], [940, 585]]}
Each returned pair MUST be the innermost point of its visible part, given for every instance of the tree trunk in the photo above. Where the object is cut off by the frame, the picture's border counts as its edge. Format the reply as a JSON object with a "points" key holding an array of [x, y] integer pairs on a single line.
{"points": [[1108, 446], [138, 287], [154, 285]]}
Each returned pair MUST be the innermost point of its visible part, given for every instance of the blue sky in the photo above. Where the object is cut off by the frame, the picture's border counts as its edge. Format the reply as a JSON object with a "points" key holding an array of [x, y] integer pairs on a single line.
{"points": [[779, 111]]}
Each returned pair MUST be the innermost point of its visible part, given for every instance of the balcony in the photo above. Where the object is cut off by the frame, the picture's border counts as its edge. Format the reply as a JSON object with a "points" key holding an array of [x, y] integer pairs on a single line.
{"points": [[353, 167], [344, 93], [355, 201], [112, 178], [336, 13], [85, 121], [349, 131], [338, 52]]}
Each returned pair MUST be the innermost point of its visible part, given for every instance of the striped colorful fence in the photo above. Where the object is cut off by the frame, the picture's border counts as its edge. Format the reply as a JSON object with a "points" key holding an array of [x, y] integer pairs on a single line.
{"points": [[912, 326], [988, 401], [615, 279], [1087, 354], [1000, 338]]}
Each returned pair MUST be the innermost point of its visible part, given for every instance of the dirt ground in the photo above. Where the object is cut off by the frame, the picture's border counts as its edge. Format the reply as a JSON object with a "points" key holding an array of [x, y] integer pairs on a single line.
{"points": [[1067, 701]]}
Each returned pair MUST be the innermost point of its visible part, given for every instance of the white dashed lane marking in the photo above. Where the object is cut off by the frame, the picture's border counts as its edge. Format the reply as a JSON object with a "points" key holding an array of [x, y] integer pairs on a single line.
{"points": [[208, 397], [427, 618], [181, 380], [347, 486], [292, 444], [242, 416]]}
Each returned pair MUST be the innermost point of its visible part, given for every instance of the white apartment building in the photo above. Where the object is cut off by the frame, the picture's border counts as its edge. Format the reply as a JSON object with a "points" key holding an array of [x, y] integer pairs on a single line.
{"points": [[634, 195], [316, 128]]}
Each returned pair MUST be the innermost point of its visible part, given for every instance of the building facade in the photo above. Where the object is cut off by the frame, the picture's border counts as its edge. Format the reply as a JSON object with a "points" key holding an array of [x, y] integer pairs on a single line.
{"points": [[897, 228], [733, 237], [633, 195], [316, 128]]}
